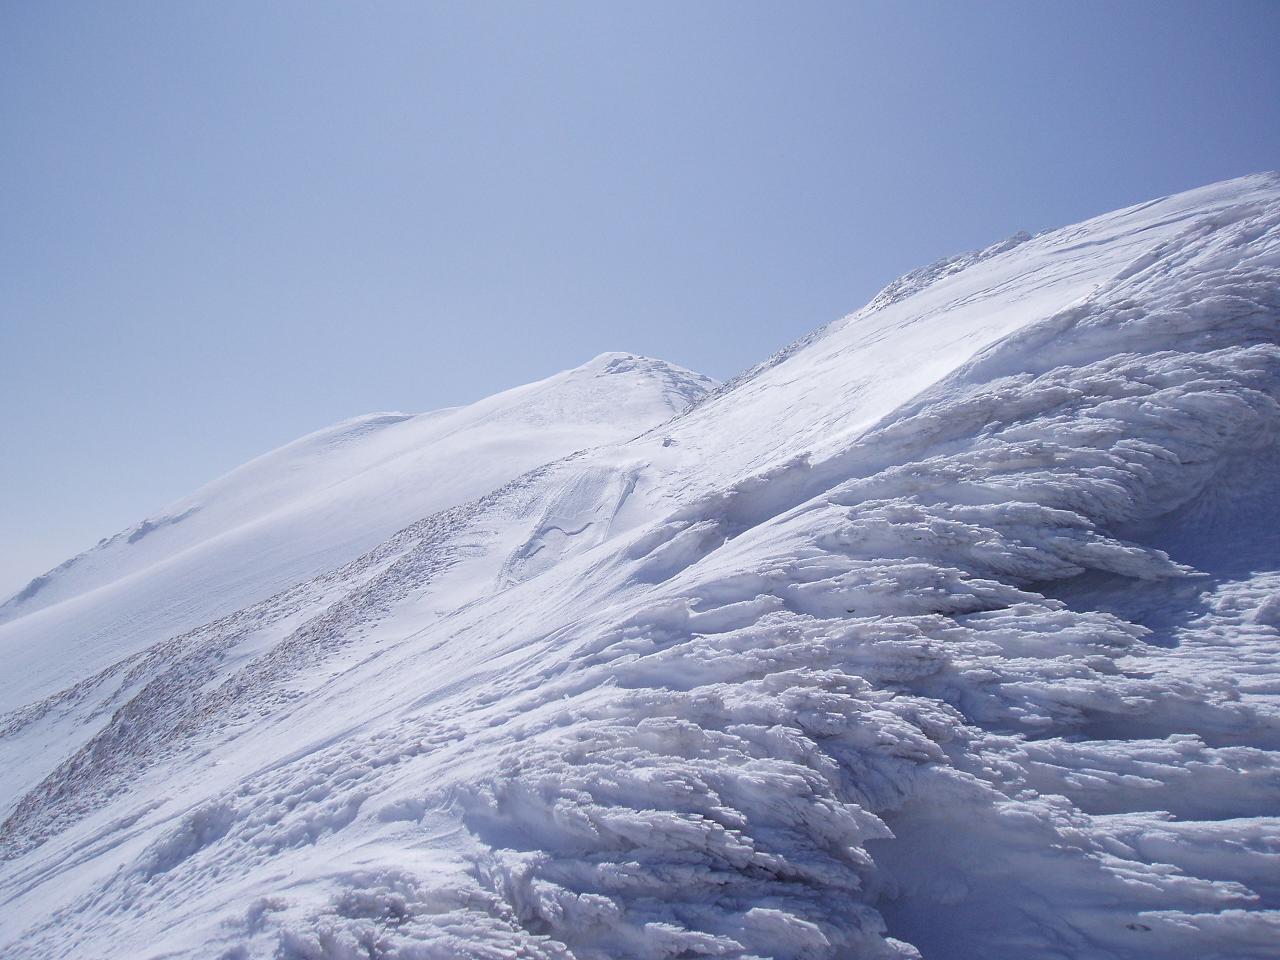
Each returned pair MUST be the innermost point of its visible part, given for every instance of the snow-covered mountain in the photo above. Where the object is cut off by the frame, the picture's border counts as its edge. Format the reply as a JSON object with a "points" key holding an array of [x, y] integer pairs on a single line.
{"points": [[949, 630], [310, 506]]}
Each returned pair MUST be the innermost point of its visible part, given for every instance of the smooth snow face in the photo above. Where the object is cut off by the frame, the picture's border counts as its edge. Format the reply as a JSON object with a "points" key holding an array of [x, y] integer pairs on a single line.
{"points": [[309, 507], [923, 638]]}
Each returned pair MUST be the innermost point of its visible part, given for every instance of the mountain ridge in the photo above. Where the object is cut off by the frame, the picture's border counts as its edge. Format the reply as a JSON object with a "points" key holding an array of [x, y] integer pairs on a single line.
{"points": [[901, 646], [321, 500], [671, 376]]}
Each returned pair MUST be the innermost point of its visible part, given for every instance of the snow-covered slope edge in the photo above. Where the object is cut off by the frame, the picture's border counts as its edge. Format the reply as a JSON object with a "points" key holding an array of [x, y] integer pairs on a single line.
{"points": [[917, 665], [310, 506]]}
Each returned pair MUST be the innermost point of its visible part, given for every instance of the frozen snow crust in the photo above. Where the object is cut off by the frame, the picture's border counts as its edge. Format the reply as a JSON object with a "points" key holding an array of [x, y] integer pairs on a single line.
{"points": [[950, 631]]}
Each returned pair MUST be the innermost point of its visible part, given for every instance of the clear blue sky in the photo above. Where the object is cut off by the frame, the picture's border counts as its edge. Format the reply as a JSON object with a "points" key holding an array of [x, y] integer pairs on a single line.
{"points": [[223, 225]]}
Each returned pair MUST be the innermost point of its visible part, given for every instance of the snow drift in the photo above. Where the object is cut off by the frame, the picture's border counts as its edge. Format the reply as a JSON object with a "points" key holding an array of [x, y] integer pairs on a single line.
{"points": [[950, 631]]}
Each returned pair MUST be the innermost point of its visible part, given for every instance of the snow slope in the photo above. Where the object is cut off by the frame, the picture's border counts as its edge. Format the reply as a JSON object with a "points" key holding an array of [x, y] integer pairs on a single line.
{"points": [[310, 506], [950, 631]]}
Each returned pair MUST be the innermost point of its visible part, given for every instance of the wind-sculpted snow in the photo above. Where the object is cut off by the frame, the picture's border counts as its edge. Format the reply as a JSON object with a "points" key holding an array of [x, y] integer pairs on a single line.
{"points": [[311, 506], [987, 669]]}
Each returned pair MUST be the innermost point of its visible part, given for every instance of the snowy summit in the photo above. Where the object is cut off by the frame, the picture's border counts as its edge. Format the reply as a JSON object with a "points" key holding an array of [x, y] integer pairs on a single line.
{"points": [[952, 630]]}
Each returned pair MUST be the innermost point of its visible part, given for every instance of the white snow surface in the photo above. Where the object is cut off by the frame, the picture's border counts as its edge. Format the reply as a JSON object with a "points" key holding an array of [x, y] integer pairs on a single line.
{"points": [[310, 506], [950, 631]]}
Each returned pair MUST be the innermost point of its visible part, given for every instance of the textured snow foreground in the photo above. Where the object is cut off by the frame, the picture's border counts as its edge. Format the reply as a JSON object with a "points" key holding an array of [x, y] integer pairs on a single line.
{"points": [[951, 630]]}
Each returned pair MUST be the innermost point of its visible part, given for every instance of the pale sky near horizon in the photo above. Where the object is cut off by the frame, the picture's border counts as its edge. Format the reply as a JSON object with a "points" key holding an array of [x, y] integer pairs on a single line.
{"points": [[224, 225]]}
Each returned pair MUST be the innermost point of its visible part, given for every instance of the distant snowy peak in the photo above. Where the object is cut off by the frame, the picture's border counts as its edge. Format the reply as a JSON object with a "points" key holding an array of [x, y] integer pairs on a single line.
{"points": [[679, 386], [321, 500], [610, 387]]}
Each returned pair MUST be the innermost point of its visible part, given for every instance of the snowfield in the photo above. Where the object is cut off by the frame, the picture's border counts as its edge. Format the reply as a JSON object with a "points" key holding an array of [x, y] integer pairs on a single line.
{"points": [[950, 631], [312, 505]]}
